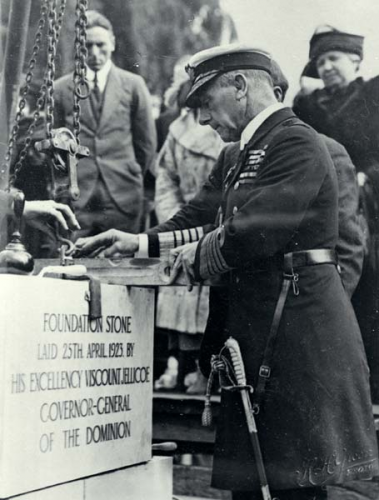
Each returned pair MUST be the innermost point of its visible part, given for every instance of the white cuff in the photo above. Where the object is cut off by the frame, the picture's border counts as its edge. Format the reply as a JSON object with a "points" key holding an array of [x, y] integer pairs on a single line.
{"points": [[143, 247]]}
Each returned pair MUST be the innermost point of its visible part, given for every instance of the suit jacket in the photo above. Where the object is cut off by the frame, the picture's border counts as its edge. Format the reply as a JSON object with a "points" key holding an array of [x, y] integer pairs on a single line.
{"points": [[315, 423], [122, 143]]}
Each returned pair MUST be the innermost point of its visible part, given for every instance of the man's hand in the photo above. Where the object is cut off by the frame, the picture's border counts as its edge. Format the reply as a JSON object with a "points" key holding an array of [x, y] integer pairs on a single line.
{"points": [[112, 243], [40, 214], [183, 257]]}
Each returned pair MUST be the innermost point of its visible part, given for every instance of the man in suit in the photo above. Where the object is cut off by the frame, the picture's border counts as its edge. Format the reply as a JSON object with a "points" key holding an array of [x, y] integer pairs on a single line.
{"points": [[274, 196], [118, 128]]}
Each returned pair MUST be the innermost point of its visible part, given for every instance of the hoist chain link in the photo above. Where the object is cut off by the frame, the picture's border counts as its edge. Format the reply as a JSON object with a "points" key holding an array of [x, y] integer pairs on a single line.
{"points": [[49, 80], [60, 17], [22, 103], [81, 87], [54, 26]]}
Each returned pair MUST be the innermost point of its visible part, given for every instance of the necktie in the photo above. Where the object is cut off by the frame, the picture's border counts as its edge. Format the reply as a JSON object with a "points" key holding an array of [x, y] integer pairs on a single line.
{"points": [[96, 89], [96, 98]]}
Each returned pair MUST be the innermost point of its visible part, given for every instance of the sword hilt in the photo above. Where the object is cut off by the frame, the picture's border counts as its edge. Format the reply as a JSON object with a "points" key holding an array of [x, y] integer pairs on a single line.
{"points": [[235, 354]]}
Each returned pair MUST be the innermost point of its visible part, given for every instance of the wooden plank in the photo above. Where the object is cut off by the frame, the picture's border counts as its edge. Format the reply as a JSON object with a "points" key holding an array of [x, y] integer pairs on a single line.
{"points": [[130, 272], [139, 272], [177, 417], [181, 427], [194, 401]]}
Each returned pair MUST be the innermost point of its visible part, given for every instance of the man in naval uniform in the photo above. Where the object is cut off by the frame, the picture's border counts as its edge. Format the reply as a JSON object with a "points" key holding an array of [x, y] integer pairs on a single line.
{"points": [[275, 201]]}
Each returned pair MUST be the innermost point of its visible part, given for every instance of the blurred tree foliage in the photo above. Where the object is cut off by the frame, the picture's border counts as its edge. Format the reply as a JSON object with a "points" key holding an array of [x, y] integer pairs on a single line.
{"points": [[151, 34]]}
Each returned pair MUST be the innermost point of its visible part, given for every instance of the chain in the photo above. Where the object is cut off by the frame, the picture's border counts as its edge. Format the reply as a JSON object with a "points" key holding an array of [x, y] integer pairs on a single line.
{"points": [[51, 55], [60, 17], [29, 136], [54, 27], [46, 92], [55, 24], [22, 103], [81, 90]]}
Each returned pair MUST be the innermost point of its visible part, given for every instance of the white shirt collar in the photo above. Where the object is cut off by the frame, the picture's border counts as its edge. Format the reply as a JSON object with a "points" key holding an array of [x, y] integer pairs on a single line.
{"points": [[250, 129], [102, 75]]}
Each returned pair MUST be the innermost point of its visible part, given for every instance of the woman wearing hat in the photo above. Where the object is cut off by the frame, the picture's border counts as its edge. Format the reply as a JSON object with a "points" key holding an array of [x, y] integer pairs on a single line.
{"points": [[347, 109]]}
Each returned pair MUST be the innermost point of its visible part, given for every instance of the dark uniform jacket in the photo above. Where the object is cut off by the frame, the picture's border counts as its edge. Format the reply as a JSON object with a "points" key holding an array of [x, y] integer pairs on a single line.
{"points": [[122, 143], [315, 423]]}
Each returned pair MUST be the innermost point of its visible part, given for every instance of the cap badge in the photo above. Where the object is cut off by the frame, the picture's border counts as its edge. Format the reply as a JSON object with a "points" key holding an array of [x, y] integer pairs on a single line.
{"points": [[190, 72]]}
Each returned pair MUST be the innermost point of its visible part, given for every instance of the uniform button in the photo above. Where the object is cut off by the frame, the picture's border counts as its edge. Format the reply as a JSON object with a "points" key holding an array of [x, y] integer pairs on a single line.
{"points": [[235, 210], [236, 186]]}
